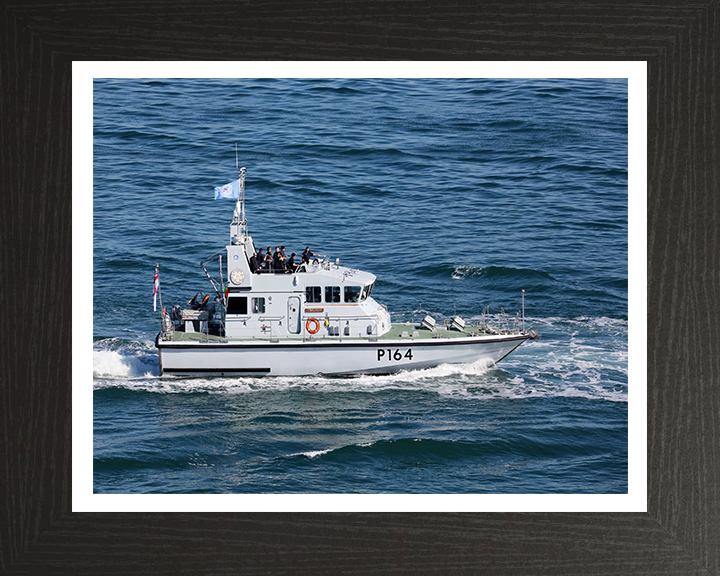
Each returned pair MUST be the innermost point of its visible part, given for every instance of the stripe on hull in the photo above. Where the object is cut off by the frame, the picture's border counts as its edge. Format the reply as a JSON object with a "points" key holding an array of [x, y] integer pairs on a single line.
{"points": [[220, 370]]}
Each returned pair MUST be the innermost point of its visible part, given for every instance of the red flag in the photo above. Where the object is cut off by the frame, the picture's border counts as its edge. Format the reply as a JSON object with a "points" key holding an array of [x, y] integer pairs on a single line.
{"points": [[156, 287]]}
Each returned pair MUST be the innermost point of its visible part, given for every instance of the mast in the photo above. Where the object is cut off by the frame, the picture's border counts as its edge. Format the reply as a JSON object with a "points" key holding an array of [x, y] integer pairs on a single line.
{"points": [[238, 226], [239, 250]]}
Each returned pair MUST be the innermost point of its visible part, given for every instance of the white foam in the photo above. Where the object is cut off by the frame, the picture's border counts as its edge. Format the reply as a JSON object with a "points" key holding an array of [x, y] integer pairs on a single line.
{"points": [[602, 321], [314, 454], [556, 377], [581, 357], [115, 364]]}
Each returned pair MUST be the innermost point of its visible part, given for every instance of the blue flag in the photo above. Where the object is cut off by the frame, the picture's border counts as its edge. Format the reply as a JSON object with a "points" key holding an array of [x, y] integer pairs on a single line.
{"points": [[231, 190]]}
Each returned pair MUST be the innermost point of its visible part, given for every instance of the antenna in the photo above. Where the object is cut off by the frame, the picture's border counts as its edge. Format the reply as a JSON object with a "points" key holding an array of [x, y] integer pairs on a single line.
{"points": [[236, 158]]}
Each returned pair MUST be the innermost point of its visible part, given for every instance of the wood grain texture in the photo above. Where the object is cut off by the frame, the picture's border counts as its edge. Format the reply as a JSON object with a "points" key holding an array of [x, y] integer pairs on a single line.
{"points": [[681, 532]]}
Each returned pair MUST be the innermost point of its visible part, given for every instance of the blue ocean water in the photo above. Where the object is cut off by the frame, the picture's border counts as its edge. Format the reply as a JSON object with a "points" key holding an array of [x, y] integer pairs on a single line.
{"points": [[456, 194]]}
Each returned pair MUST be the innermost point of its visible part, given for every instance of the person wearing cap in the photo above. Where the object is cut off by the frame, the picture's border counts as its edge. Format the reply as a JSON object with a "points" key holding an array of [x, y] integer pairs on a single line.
{"points": [[290, 265], [307, 255]]}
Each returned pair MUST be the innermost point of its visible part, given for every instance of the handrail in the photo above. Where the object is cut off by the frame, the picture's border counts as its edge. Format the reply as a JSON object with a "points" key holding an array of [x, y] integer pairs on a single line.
{"points": [[324, 263], [336, 318], [270, 320], [341, 324]]}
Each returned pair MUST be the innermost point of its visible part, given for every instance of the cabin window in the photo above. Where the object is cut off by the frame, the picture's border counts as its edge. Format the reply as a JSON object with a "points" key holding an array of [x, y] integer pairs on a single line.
{"points": [[364, 294], [352, 293], [313, 294], [369, 290], [258, 305], [332, 293], [237, 305]]}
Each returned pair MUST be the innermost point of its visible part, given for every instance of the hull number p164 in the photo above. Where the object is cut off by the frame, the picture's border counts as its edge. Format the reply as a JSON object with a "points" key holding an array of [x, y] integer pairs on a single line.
{"points": [[389, 354]]}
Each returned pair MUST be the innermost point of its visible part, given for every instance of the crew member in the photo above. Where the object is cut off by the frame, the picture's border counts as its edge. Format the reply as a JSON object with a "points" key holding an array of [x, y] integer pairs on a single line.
{"points": [[254, 266], [290, 265], [307, 255]]}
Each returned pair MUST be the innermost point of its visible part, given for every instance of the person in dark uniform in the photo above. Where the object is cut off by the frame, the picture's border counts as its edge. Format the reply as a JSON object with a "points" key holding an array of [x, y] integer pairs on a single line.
{"points": [[260, 261], [307, 255], [277, 260], [290, 265], [254, 266]]}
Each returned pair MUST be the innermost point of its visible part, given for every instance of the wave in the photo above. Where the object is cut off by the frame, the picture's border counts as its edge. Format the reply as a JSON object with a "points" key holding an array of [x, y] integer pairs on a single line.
{"points": [[401, 447], [581, 357], [118, 366], [335, 89], [115, 358], [130, 464], [582, 376], [556, 442], [469, 271], [592, 321], [566, 167], [508, 124], [499, 273]]}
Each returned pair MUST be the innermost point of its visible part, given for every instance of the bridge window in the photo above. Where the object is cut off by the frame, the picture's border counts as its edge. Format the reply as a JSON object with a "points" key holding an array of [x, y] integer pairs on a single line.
{"points": [[369, 290], [313, 294], [352, 293], [332, 293], [258, 305]]}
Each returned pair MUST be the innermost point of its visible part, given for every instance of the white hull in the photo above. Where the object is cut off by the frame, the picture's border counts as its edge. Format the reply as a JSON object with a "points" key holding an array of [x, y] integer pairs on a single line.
{"points": [[328, 357]]}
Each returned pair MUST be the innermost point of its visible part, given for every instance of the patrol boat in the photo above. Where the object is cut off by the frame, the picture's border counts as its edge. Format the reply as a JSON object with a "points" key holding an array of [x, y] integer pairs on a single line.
{"points": [[318, 318]]}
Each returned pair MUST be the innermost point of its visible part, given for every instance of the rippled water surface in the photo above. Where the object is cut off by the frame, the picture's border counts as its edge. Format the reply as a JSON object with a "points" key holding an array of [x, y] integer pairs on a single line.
{"points": [[457, 194]]}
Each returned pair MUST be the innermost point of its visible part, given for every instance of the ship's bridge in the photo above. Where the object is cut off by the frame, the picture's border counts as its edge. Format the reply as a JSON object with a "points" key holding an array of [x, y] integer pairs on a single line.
{"points": [[320, 299]]}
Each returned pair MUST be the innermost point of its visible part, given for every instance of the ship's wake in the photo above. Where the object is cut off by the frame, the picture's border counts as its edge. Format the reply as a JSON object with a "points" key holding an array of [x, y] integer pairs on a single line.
{"points": [[575, 358]]}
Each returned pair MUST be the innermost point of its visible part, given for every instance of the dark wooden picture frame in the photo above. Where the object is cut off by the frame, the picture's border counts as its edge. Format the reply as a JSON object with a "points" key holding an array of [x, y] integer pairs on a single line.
{"points": [[38, 532]]}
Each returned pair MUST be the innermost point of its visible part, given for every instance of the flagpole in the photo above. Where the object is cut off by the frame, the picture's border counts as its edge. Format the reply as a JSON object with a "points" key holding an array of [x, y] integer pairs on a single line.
{"points": [[158, 284], [240, 203]]}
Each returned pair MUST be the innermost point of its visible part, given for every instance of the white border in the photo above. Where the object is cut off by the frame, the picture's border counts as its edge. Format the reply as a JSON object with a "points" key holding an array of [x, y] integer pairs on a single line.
{"points": [[83, 499]]}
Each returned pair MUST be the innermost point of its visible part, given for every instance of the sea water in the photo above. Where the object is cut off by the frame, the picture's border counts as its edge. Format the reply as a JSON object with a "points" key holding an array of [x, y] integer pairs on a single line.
{"points": [[456, 194]]}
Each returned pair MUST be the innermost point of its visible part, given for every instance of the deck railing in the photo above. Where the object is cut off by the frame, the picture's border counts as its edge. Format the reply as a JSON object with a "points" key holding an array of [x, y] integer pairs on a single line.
{"points": [[317, 263]]}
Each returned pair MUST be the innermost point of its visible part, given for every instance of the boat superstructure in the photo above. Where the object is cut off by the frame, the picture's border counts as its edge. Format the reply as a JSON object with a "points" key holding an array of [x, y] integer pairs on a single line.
{"points": [[316, 317]]}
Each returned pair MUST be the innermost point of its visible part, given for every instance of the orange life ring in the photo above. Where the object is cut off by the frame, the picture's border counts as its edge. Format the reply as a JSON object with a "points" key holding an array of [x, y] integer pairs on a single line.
{"points": [[315, 329]]}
